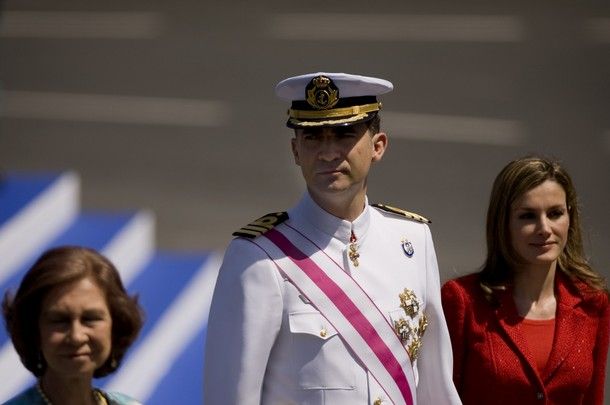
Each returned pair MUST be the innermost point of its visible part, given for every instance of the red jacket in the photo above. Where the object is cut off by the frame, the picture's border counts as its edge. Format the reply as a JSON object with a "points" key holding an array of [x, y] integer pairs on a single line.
{"points": [[492, 364]]}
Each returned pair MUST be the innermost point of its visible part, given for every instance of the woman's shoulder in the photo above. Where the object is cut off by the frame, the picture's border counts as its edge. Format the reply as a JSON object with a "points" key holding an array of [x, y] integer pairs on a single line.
{"points": [[465, 288], [592, 298], [27, 397], [466, 283], [117, 398]]}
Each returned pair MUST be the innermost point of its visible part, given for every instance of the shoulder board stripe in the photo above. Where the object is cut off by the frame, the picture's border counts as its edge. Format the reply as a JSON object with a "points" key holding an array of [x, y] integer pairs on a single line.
{"points": [[406, 214], [255, 228], [262, 225]]}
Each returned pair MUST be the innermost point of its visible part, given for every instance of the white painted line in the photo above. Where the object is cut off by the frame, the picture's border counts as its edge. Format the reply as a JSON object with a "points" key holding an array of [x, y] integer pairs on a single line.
{"points": [[391, 27], [29, 230], [113, 109], [133, 247], [598, 29], [147, 366], [129, 250], [453, 129], [14, 376], [76, 24]]}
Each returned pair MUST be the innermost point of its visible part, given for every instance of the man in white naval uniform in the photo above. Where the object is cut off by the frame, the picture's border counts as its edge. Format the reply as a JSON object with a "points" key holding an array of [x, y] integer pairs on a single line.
{"points": [[269, 341]]}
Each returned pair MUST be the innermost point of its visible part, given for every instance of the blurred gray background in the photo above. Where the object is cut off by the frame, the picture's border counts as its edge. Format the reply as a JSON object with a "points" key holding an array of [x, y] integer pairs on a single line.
{"points": [[169, 105]]}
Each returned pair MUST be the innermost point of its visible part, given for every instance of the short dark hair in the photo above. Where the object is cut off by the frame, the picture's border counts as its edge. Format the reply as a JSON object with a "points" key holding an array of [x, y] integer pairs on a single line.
{"points": [[58, 267], [375, 124]]}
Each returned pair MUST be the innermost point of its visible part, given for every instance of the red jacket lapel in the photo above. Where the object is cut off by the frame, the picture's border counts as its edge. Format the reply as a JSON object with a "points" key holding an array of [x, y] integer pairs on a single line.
{"points": [[567, 321], [510, 323]]}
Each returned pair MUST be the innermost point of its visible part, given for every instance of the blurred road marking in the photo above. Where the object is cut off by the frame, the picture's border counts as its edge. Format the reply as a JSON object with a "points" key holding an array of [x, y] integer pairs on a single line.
{"points": [[389, 27], [113, 109], [14, 376], [180, 323], [598, 29], [76, 24], [448, 128]]}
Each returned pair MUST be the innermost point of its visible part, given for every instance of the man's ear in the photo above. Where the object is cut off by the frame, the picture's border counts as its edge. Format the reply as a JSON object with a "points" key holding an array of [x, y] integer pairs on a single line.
{"points": [[380, 143], [295, 152]]}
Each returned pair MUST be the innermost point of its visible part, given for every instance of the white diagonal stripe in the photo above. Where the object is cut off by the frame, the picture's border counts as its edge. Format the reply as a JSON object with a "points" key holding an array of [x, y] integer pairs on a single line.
{"points": [[149, 363], [128, 250], [28, 231], [133, 247], [394, 27], [14, 376]]}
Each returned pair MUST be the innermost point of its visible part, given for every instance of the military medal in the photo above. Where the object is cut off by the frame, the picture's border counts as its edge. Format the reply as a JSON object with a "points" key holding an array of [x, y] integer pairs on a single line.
{"points": [[353, 250], [409, 302], [410, 330], [407, 247], [403, 329]]}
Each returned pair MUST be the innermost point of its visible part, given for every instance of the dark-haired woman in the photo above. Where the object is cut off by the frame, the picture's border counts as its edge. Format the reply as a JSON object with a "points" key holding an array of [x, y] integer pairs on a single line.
{"points": [[71, 320], [532, 326]]}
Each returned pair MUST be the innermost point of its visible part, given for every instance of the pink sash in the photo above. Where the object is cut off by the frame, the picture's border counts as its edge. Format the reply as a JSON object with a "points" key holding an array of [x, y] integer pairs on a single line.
{"points": [[358, 321]]}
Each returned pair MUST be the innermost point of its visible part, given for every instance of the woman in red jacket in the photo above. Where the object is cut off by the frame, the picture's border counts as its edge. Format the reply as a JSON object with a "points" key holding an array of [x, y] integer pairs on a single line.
{"points": [[532, 326]]}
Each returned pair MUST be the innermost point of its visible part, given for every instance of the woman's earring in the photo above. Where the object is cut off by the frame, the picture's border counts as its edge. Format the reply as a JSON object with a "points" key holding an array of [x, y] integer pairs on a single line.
{"points": [[39, 360]]}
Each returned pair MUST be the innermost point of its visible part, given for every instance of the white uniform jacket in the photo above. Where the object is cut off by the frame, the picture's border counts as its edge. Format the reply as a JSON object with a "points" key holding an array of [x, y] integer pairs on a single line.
{"points": [[267, 344]]}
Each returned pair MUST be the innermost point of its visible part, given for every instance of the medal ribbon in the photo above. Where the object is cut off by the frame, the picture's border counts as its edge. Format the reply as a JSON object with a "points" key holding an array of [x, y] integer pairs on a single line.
{"points": [[345, 305]]}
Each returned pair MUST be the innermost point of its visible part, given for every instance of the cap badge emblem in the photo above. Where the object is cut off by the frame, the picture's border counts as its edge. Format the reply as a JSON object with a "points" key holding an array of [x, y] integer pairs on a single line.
{"points": [[321, 93], [407, 247]]}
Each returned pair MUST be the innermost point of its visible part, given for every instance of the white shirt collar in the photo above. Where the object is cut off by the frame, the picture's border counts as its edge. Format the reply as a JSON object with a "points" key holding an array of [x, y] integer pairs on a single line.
{"points": [[312, 213]]}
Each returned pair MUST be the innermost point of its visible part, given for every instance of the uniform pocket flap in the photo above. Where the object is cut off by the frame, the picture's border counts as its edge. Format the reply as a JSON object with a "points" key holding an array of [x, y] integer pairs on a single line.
{"points": [[311, 323]]}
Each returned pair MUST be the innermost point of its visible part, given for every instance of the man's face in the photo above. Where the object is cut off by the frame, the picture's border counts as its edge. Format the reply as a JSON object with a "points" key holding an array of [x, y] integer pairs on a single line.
{"points": [[337, 159]]}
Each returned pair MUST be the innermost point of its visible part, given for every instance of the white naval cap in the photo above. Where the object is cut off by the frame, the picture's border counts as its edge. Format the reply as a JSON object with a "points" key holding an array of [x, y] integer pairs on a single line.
{"points": [[331, 99]]}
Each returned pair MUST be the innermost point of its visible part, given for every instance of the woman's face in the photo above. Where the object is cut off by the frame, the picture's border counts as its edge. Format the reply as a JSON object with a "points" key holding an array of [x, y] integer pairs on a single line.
{"points": [[75, 329], [539, 223]]}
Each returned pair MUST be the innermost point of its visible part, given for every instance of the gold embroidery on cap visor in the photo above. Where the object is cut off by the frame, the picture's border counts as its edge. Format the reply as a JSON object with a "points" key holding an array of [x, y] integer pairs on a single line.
{"points": [[333, 116]]}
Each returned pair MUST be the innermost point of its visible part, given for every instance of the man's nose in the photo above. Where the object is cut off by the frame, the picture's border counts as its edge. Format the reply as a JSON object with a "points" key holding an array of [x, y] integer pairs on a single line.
{"points": [[329, 147]]}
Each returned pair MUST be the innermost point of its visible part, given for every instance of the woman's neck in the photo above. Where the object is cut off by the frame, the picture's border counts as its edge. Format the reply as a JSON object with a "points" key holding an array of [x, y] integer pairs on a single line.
{"points": [[534, 291], [68, 391]]}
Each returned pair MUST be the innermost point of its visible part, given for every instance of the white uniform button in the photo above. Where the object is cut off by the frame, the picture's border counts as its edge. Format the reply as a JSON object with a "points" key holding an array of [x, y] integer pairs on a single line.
{"points": [[539, 396], [378, 401]]}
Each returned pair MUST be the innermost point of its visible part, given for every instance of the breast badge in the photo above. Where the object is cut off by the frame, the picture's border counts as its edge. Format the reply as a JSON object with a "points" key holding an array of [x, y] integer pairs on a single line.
{"points": [[407, 247], [411, 327]]}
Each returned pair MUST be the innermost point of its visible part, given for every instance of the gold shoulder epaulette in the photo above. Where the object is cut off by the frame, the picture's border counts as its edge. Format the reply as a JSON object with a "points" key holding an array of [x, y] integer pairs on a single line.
{"points": [[262, 225], [407, 214]]}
